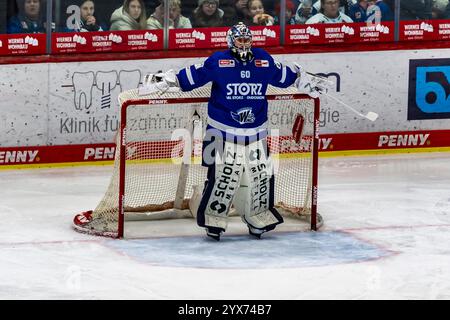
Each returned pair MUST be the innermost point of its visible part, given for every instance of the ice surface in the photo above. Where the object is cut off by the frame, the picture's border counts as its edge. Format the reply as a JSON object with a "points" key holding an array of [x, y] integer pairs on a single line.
{"points": [[386, 236]]}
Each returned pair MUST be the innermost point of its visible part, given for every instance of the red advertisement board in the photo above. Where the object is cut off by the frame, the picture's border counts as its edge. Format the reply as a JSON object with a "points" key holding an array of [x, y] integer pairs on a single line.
{"points": [[23, 44], [339, 33], [107, 41], [424, 30], [201, 38], [374, 141]]}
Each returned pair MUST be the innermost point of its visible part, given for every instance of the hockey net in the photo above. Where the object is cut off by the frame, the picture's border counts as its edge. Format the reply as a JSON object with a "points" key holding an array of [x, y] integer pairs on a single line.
{"points": [[158, 159]]}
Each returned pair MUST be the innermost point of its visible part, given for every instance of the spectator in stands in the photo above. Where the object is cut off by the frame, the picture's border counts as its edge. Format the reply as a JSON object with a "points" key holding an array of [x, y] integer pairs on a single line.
{"points": [[207, 14], [150, 5], [304, 11], [344, 6], [439, 8], [130, 16], [235, 11], [380, 10], [358, 12], [176, 19], [86, 21], [269, 6], [415, 10], [447, 11], [329, 13], [179, 21], [188, 7], [290, 12], [258, 16], [29, 18]]}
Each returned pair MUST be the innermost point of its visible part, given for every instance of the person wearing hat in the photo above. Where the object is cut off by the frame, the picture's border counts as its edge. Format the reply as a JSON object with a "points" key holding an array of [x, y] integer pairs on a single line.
{"points": [[207, 14]]}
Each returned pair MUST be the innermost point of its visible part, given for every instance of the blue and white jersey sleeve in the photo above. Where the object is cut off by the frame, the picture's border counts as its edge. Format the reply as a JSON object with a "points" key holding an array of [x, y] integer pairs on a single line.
{"points": [[197, 75], [283, 75], [238, 91]]}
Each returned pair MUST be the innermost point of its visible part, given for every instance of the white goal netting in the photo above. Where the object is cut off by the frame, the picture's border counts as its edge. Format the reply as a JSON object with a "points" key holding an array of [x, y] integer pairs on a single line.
{"points": [[158, 157]]}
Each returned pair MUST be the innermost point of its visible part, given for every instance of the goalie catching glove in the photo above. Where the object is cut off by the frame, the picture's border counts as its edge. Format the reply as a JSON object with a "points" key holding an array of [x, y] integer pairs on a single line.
{"points": [[311, 84], [161, 82]]}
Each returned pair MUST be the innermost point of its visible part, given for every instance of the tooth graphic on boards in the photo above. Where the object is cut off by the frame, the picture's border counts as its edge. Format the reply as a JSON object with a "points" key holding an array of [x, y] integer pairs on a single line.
{"points": [[83, 82], [106, 82], [129, 79]]}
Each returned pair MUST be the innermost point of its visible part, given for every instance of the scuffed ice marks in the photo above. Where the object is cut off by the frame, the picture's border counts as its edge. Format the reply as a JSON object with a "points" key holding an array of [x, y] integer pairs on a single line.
{"points": [[239, 252]]}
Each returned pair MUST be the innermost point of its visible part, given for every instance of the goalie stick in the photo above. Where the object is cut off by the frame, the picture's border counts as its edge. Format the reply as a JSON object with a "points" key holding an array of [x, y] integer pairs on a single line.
{"points": [[372, 116], [186, 161]]}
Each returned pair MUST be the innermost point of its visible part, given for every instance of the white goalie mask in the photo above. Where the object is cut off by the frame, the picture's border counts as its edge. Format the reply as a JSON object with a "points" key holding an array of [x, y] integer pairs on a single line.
{"points": [[239, 39]]}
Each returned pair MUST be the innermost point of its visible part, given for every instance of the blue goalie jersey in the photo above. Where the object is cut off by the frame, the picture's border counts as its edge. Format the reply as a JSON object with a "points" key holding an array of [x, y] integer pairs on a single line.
{"points": [[238, 93]]}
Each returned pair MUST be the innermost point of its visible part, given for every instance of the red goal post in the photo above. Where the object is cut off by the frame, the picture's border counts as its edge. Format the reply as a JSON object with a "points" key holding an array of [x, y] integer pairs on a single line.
{"points": [[154, 177]]}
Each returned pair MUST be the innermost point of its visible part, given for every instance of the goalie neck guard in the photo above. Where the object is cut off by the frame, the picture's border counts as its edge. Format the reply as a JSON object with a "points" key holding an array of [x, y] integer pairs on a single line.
{"points": [[239, 39]]}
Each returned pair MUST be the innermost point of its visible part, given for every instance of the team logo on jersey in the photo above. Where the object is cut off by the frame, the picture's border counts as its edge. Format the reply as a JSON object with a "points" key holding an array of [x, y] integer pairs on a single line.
{"points": [[262, 63], [226, 63], [244, 89], [243, 116]]}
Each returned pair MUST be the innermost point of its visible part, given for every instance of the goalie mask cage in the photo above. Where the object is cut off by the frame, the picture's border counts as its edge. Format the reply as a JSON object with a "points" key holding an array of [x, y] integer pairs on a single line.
{"points": [[157, 162]]}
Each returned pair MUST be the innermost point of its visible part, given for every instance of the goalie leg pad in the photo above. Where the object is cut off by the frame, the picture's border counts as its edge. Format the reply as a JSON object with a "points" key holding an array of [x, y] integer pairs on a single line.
{"points": [[255, 198], [223, 181]]}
